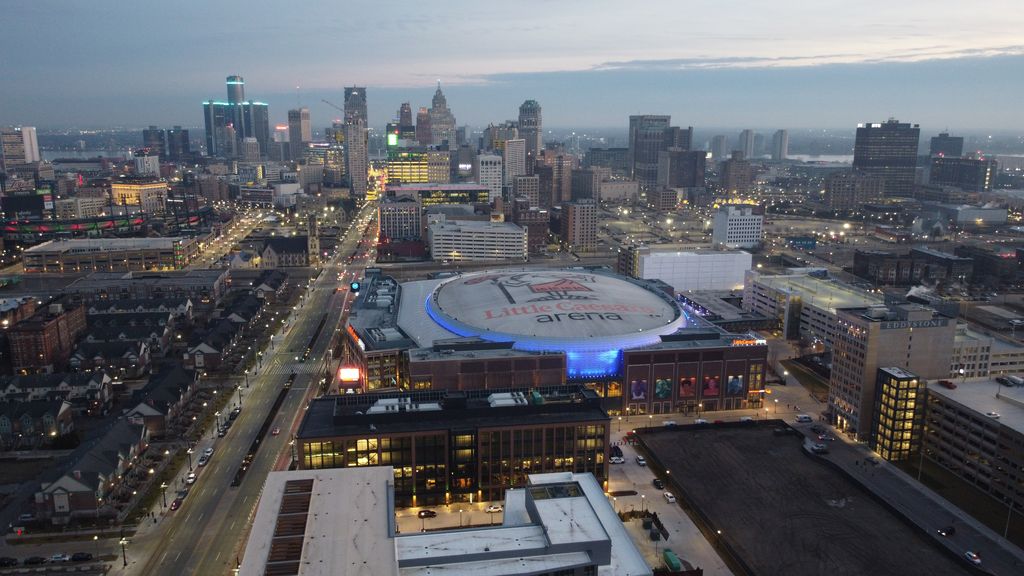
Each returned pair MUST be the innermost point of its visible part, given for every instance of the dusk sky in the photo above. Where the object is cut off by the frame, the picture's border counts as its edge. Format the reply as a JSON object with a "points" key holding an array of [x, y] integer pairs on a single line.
{"points": [[830, 63]]}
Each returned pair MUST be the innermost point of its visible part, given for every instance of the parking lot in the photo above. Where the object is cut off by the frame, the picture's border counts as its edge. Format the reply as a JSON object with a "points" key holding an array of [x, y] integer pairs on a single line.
{"points": [[785, 513]]}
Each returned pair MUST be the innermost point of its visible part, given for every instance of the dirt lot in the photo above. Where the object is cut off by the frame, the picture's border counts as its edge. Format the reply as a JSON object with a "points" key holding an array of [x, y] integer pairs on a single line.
{"points": [[785, 513]]}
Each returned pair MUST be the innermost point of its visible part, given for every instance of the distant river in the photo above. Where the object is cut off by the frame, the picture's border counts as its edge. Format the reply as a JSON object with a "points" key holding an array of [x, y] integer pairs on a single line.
{"points": [[838, 158], [50, 155]]}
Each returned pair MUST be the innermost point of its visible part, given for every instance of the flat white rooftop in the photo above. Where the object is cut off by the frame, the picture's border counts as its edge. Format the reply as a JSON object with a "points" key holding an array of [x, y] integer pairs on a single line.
{"points": [[979, 395], [819, 292], [98, 244]]}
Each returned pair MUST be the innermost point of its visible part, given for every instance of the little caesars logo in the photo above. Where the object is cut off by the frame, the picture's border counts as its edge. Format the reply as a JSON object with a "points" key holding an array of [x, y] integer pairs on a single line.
{"points": [[554, 298]]}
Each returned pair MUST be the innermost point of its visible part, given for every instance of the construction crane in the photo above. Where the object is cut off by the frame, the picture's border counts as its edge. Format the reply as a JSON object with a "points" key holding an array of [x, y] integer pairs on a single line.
{"points": [[335, 106]]}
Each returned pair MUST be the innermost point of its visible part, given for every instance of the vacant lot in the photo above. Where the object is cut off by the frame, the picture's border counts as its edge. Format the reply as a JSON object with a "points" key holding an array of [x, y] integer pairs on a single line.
{"points": [[786, 513]]}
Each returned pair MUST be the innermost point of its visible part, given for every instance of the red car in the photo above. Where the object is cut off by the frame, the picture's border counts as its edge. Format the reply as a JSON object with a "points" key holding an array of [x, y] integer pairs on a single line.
{"points": [[176, 504]]}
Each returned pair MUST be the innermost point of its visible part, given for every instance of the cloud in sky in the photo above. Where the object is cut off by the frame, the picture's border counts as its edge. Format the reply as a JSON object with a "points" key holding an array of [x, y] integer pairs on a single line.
{"points": [[103, 62]]}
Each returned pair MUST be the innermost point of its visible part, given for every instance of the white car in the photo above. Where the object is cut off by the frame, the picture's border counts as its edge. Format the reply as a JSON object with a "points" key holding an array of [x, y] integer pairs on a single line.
{"points": [[191, 478], [670, 498], [208, 452], [617, 460], [494, 508], [641, 460], [700, 421]]}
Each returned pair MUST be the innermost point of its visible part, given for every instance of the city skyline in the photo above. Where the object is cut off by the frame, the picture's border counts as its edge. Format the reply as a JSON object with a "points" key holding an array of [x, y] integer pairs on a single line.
{"points": [[768, 68]]}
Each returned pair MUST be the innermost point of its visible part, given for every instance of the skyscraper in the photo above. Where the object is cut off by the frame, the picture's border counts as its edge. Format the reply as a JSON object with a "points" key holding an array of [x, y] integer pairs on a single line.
{"points": [[357, 155], [514, 159], [442, 121], [780, 145], [676, 137], [155, 139], [646, 139], [178, 145], [678, 168], [355, 104], [946, 145], [579, 224], [531, 129], [423, 130], [405, 115], [18, 145], [746, 144], [299, 132], [888, 150], [228, 123], [719, 148], [489, 173]]}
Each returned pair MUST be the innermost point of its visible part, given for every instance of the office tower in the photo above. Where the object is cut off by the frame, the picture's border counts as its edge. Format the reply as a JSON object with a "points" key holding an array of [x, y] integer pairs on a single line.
{"points": [[439, 166], [531, 129], [745, 144], [250, 149], [178, 145], [679, 168], [537, 222], [147, 162], [357, 155], [442, 121], [405, 114], [495, 136], [780, 145], [586, 184], [488, 173], [719, 148], [968, 174], [946, 145], [898, 414], [849, 190], [616, 159], [676, 137], [736, 174], [228, 123], [355, 104], [646, 139], [738, 226], [423, 131], [909, 337], [18, 145], [154, 139], [299, 132], [579, 224], [460, 136], [888, 150], [556, 185], [527, 187], [514, 159]]}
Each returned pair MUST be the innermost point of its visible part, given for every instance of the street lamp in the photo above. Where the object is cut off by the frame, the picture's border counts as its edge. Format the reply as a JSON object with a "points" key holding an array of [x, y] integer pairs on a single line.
{"points": [[163, 492], [460, 517], [96, 543], [189, 452], [620, 424], [643, 503], [124, 553], [776, 406], [700, 406]]}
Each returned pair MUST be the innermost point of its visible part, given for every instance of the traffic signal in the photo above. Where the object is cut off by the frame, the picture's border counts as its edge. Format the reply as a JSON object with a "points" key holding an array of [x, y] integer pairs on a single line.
{"points": [[354, 287]]}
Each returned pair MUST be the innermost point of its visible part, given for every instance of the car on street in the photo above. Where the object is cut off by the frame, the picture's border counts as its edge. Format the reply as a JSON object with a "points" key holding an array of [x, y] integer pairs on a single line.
{"points": [[818, 429], [60, 558], [426, 514], [826, 437], [26, 517], [81, 557], [670, 423], [819, 448], [175, 504], [494, 508], [208, 452], [616, 451], [972, 557], [616, 459], [658, 484], [746, 419], [191, 478], [203, 460], [946, 531], [641, 460], [670, 498], [700, 421], [34, 560], [222, 431], [275, 431], [7, 562]]}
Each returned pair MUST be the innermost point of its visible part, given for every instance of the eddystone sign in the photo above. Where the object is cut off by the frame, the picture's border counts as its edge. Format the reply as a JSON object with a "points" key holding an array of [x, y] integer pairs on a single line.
{"points": [[904, 324]]}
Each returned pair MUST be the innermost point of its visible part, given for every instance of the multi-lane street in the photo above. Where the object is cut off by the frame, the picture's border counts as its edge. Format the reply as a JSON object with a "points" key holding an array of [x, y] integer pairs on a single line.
{"points": [[205, 535]]}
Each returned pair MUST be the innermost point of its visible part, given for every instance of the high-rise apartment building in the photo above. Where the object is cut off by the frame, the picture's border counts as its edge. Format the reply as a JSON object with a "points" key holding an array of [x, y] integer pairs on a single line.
{"points": [[527, 187], [738, 226], [442, 121], [888, 150], [228, 123], [780, 145], [514, 159], [849, 190], [535, 221], [300, 133], [586, 184], [745, 144], [579, 224], [910, 337], [968, 174], [357, 159], [488, 169], [736, 174], [355, 104], [898, 415], [18, 145], [646, 139], [679, 168], [155, 139], [946, 145], [531, 129], [719, 148]]}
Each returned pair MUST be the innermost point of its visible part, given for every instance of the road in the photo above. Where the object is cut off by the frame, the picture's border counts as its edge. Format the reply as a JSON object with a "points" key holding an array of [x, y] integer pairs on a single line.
{"points": [[206, 534], [240, 227]]}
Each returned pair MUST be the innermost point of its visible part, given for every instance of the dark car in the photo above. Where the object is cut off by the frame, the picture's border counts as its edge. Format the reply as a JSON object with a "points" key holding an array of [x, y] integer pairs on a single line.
{"points": [[81, 557], [176, 504], [426, 514], [658, 484], [34, 560], [7, 562], [616, 451], [946, 531], [818, 429]]}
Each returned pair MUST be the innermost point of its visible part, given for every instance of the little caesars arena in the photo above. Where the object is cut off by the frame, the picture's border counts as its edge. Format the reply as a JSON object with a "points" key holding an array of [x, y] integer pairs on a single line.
{"points": [[628, 340]]}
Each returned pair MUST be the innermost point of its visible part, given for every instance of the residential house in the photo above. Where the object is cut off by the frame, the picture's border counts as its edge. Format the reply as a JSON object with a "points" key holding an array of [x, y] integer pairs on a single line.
{"points": [[180, 307], [156, 337], [270, 285], [31, 424], [89, 393], [126, 359], [208, 349], [161, 402]]}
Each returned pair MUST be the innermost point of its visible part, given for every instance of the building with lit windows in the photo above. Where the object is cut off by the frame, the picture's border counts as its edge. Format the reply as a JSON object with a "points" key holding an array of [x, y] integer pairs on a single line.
{"points": [[110, 255], [399, 219], [627, 340], [431, 194], [460, 240], [888, 150], [458, 446], [146, 194], [228, 123], [898, 414], [738, 226]]}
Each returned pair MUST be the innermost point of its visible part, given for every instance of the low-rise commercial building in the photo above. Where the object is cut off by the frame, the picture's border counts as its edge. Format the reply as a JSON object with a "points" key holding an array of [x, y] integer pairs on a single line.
{"points": [[686, 269], [110, 255], [469, 240], [738, 226]]}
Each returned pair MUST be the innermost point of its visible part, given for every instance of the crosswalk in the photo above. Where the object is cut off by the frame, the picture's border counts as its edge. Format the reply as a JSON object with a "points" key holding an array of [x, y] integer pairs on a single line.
{"points": [[307, 367]]}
